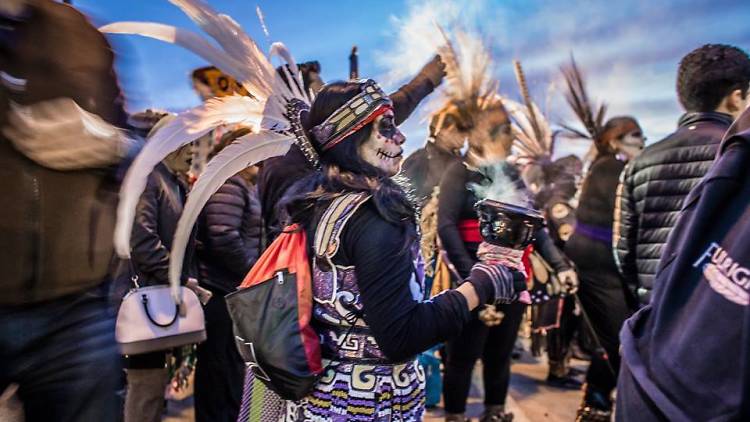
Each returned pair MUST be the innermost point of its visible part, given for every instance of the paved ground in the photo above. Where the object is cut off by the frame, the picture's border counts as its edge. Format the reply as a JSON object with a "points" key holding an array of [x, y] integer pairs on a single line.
{"points": [[530, 398]]}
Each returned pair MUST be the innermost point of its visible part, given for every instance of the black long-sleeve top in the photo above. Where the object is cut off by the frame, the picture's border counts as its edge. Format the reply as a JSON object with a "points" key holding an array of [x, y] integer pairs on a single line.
{"points": [[425, 167], [456, 203], [596, 205], [402, 325]]}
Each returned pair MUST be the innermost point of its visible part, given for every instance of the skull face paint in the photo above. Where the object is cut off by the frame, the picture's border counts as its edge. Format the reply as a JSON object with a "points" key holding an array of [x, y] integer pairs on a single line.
{"points": [[630, 145], [383, 148]]}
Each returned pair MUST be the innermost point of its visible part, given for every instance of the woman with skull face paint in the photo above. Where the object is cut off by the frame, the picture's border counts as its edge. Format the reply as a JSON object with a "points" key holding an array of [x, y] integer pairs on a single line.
{"points": [[602, 290], [366, 272], [490, 140]]}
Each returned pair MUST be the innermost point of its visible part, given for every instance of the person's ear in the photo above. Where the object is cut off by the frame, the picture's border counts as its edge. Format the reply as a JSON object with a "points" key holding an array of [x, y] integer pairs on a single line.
{"points": [[735, 101]]}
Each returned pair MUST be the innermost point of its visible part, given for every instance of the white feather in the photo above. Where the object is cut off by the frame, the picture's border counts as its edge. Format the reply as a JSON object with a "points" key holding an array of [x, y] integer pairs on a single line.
{"points": [[194, 43], [525, 139], [244, 152], [183, 129], [296, 89], [233, 39]]}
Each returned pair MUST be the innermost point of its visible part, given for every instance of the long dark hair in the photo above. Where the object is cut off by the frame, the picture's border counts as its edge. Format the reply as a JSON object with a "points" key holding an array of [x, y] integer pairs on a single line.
{"points": [[343, 170]]}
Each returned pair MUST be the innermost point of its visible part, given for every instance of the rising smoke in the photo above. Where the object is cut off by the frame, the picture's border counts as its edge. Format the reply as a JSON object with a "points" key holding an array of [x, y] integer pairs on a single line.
{"points": [[499, 185], [417, 37]]}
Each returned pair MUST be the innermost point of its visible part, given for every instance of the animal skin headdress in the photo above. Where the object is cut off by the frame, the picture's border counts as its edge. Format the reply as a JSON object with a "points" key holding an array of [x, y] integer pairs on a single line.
{"points": [[275, 101], [218, 82]]}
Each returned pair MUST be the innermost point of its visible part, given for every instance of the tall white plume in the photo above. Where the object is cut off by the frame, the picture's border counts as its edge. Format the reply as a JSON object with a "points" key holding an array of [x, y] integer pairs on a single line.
{"points": [[183, 129]]}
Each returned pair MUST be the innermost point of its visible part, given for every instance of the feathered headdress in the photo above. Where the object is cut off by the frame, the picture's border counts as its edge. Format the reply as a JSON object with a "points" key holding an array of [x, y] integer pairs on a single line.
{"points": [[591, 116], [534, 139], [469, 86], [272, 109]]}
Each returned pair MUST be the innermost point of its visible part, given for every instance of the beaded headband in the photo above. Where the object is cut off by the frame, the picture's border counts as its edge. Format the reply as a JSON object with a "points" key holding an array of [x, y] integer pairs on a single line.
{"points": [[370, 103]]}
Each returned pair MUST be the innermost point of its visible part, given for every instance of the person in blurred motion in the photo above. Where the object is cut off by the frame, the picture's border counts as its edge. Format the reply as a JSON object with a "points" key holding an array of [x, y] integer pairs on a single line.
{"points": [[602, 292], [60, 107], [229, 241], [712, 86], [157, 213]]}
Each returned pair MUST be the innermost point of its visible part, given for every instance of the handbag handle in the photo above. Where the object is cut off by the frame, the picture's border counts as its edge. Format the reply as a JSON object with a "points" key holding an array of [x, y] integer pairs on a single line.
{"points": [[144, 300]]}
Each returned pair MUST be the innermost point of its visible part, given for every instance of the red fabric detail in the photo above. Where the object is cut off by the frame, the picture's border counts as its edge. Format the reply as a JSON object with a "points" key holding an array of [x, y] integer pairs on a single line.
{"points": [[527, 265], [289, 252], [378, 111], [469, 230]]}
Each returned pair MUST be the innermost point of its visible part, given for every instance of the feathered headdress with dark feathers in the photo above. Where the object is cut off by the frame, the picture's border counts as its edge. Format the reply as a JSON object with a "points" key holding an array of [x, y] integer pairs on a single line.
{"points": [[534, 139], [590, 115]]}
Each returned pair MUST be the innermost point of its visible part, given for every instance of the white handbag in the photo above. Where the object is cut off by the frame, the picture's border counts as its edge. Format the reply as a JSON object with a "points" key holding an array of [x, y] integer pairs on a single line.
{"points": [[149, 320]]}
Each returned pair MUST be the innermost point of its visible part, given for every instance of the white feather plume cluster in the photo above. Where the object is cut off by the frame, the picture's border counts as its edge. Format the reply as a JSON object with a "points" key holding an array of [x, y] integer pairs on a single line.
{"points": [[264, 111], [468, 66]]}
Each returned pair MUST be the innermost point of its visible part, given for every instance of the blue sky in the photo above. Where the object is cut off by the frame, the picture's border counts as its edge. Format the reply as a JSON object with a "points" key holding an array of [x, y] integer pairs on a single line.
{"points": [[629, 48]]}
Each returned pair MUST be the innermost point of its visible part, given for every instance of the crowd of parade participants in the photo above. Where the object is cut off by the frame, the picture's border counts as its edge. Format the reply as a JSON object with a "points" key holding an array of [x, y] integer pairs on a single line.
{"points": [[640, 267]]}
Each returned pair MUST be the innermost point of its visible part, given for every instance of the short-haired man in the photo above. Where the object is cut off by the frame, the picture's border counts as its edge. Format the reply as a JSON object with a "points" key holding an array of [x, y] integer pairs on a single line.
{"points": [[712, 86]]}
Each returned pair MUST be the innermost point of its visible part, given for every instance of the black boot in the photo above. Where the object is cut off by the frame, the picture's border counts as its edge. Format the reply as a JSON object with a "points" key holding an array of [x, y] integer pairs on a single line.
{"points": [[456, 417], [560, 376], [567, 382], [496, 413], [596, 407]]}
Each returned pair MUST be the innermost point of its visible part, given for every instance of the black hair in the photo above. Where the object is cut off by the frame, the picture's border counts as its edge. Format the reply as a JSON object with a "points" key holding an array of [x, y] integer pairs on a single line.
{"points": [[709, 73], [344, 170]]}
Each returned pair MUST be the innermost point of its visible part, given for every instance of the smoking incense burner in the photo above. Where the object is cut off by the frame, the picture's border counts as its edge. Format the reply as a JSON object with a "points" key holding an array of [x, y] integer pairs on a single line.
{"points": [[507, 225]]}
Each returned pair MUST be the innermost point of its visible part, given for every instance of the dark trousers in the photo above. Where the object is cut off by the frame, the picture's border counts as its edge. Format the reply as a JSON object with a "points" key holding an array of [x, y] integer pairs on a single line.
{"points": [[558, 339], [219, 370], [603, 300], [494, 345], [602, 296], [64, 358]]}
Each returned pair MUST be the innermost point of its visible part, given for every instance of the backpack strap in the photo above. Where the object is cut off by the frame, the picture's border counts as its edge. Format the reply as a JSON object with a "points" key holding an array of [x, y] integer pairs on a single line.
{"points": [[328, 233], [331, 224]]}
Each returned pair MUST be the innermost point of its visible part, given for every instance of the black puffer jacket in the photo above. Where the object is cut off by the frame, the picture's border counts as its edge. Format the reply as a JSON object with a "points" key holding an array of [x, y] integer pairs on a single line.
{"points": [[229, 235], [156, 217], [651, 193]]}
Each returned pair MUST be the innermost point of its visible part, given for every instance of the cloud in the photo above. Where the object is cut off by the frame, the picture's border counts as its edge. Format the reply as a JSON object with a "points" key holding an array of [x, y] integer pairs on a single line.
{"points": [[629, 50]]}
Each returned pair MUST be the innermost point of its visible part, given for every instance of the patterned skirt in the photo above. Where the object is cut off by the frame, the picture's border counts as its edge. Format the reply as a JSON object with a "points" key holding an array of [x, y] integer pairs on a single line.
{"points": [[348, 392]]}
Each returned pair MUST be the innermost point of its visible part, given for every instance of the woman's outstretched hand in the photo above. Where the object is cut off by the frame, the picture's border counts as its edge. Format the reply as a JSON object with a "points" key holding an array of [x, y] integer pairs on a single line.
{"points": [[497, 283]]}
